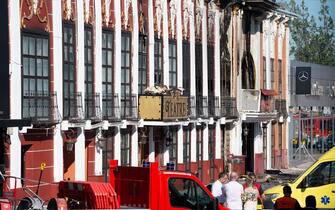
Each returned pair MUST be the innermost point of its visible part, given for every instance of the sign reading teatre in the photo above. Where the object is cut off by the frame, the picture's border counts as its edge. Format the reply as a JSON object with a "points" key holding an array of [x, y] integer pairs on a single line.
{"points": [[175, 107]]}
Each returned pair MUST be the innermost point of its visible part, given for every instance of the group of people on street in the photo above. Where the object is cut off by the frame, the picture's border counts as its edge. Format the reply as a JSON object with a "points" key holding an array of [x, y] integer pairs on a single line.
{"points": [[236, 196]]}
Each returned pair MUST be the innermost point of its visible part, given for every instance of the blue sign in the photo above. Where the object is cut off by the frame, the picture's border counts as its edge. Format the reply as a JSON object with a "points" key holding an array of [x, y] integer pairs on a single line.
{"points": [[325, 200], [146, 164]]}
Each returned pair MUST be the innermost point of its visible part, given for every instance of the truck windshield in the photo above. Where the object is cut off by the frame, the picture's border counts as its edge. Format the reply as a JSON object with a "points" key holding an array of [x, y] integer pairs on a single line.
{"points": [[188, 194]]}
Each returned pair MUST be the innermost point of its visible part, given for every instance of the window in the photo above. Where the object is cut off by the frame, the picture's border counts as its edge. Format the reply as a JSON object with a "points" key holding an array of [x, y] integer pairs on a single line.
{"points": [[173, 146], [264, 72], [173, 64], [125, 147], [280, 76], [199, 151], [142, 64], [158, 61], [222, 142], [225, 72], [187, 149], [35, 76], [107, 71], [69, 70], [88, 72], [272, 73], [186, 193], [211, 152], [322, 175], [199, 78], [211, 76], [186, 68], [125, 74]]}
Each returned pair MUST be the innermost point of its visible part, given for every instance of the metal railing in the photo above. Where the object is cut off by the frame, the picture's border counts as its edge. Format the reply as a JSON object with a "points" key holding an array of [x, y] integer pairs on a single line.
{"points": [[41, 108], [111, 107], [229, 107], [129, 107], [202, 106], [267, 104], [92, 108], [280, 106], [73, 107], [214, 106], [192, 107]]}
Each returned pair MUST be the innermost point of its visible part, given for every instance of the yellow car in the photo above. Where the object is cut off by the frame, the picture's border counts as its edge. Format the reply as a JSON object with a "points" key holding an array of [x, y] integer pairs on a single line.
{"points": [[317, 180]]}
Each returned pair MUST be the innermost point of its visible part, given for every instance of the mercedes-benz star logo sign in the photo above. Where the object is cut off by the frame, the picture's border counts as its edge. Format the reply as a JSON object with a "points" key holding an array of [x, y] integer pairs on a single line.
{"points": [[303, 76]]}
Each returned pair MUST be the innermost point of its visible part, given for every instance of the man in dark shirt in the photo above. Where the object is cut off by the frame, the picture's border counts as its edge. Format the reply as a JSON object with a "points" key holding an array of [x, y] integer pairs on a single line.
{"points": [[287, 202]]}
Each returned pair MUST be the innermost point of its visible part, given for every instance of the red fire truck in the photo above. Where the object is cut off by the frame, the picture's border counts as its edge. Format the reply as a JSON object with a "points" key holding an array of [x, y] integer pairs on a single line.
{"points": [[129, 187]]}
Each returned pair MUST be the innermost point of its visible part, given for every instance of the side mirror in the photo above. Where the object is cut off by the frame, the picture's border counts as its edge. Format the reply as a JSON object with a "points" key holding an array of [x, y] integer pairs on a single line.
{"points": [[303, 184]]}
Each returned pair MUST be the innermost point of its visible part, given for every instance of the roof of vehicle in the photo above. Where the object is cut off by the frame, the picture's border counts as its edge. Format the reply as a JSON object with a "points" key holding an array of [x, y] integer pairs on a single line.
{"points": [[328, 155]]}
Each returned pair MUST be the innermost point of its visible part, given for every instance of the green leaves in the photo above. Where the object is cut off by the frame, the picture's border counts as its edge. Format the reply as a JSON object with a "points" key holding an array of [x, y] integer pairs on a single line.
{"points": [[312, 42]]}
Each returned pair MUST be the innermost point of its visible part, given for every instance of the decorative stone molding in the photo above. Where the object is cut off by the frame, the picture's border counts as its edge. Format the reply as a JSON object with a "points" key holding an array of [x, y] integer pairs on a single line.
{"points": [[173, 12], [87, 11], [142, 22], [199, 11], [106, 12], [127, 4], [35, 7], [211, 20], [158, 21], [67, 9], [188, 12]]}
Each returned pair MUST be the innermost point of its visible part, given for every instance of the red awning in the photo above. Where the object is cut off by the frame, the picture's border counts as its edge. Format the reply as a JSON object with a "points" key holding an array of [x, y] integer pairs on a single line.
{"points": [[269, 92]]}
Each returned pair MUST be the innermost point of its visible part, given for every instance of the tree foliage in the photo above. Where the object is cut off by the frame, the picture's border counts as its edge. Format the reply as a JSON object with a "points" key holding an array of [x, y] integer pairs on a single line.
{"points": [[312, 42]]}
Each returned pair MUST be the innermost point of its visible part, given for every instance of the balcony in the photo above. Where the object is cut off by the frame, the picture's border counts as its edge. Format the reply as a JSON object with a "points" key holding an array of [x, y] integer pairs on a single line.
{"points": [[214, 106], [111, 107], [192, 108], [250, 100], [280, 106], [41, 108], [73, 107], [202, 107], [267, 101], [228, 107], [92, 108], [129, 107]]}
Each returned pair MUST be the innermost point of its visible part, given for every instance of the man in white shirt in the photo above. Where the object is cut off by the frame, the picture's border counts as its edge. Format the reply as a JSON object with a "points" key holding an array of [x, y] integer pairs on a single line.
{"points": [[234, 191], [217, 187]]}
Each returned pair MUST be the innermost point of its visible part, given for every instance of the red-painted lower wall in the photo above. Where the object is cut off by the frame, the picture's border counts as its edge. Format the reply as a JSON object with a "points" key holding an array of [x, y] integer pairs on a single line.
{"points": [[259, 164]]}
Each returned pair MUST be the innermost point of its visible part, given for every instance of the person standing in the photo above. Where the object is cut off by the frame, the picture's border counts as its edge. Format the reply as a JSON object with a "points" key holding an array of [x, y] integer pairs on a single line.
{"points": [[218, 188], [287, 202], [234, 192], [250, 195], [310, 202]]}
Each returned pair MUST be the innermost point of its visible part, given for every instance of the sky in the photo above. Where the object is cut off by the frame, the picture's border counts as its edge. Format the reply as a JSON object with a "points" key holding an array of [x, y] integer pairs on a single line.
{"points": [[314, 7]]}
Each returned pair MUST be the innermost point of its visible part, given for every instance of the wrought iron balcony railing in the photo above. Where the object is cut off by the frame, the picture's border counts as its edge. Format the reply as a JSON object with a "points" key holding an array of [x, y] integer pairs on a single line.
{"points": [[214, 106], [229, 107], [202, 106], [280, 106], [41, 108], [110, 107], [73, 107], [129, 107], [92, 107], [192, 107]]}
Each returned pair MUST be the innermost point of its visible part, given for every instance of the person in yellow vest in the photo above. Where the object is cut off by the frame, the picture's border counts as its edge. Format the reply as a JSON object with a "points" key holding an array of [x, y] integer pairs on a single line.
{"points": [[287, 202]]}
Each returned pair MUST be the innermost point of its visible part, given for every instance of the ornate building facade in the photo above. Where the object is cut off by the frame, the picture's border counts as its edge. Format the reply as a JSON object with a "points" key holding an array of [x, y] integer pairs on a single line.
{"points": [[195, 83]]}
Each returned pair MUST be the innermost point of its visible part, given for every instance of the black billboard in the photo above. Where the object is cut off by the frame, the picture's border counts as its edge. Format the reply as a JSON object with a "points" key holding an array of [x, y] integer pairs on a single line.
{"points": [[4, 61], [303, 80]]}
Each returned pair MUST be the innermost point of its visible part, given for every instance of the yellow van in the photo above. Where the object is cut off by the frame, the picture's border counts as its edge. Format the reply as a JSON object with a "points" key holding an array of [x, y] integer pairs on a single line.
{"points": [[317, 180]]}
